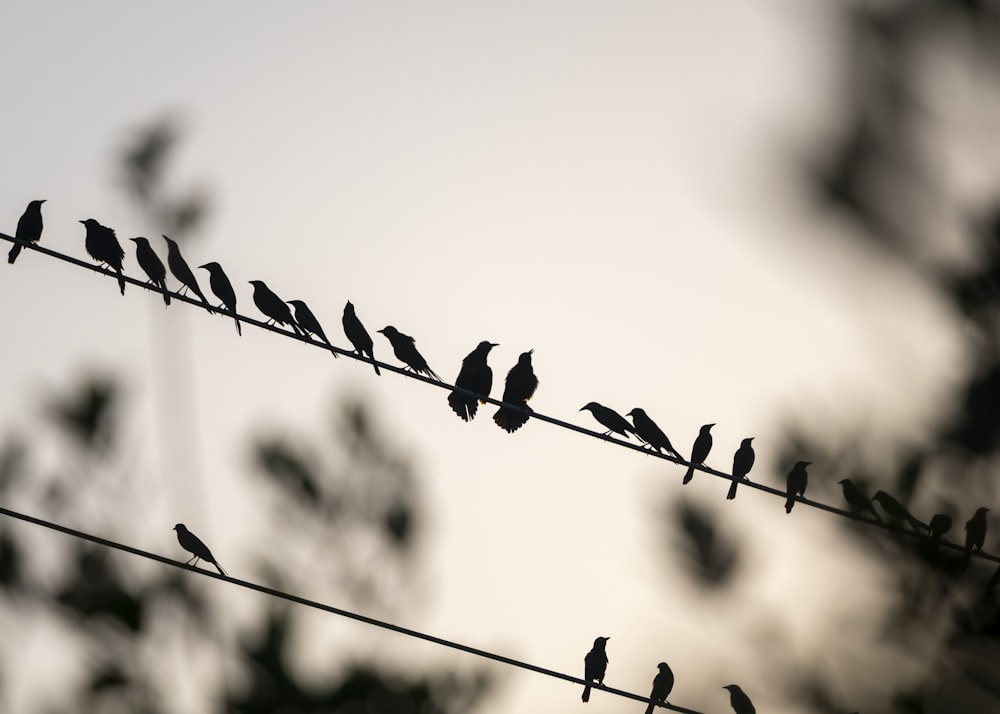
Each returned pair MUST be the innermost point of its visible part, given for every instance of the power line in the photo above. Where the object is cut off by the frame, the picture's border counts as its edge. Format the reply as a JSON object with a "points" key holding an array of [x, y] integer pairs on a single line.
{"points": [[272, 592], [889, 527]]}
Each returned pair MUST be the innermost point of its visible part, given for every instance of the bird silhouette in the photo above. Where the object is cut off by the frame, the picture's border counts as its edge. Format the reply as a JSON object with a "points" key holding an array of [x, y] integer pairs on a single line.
{"points": [[103, 246], [742, 463], [181, 270], [518, 389], [357, 334], [975, 530], [595, 664], [151, 265], [699, 452], [939, 525], [739, 700], [405, 349], [273, 306], [29, 229], [857, 499], [663, 683], [192, 544], [308, 322], [795, 484], [609, 419], [647, 430], [218, 281], [476, 376], [897, 510]]}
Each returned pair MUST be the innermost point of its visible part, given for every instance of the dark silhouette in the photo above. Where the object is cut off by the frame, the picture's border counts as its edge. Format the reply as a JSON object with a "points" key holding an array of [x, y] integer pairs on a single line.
{"points": [[152, 266], [647, 430], [857, 500], [609, 419], [595, 664], [897, 510], [663, 683], [308, 322], [273, 306], [103, 246], [476, 376], [939, 525], [520, 386], [739, 700], [223, 289], [405, 349], [975, 530], [29, 229], [699, 452], [795, 485], [357, 334], [192, 544], [742, 463], [183, 272]]}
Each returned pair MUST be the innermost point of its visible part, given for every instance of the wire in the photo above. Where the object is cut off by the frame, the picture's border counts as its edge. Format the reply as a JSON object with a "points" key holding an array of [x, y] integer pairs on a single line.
{"points": [[332, 609], [898, 530]]}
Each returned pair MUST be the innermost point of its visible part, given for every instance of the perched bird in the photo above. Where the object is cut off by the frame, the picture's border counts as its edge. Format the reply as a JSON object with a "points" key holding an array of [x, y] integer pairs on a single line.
{"points": [[308, 322], [357, 334], [183, 272], [796, 483], [405, 349], [739, 700], [595, 664], [647, 430], [103, 246], [29, 228], [223, 289], [520, 386], [476, 376], [742, 463], [897, 510], [857, 500], [192, 544], [975, 530], [699, 452], [151, 265], [609, 419], [663, 682], [273, 306], [939, 525]]}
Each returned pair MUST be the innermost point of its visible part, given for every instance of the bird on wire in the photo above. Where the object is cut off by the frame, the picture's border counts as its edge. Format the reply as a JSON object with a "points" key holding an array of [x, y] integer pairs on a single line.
{"points": [[699, 452], [940, 524], [405, 349], [192, 544], [857, 500], [595, 664], [647, 430], [29, 229], [308, 322], [151, 265], [739, 701], [357, 334], [975, 530], [518, 389], [898, 511], [475, 376], [795, 484], [609, 419], [218, 281], [273, 306], [103, 246], [742, 463], [182, 271], [663, 683]]}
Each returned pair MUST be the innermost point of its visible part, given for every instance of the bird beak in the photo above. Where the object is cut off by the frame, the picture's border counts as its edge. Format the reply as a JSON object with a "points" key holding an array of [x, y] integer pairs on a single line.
{"points": [[83, 222]]}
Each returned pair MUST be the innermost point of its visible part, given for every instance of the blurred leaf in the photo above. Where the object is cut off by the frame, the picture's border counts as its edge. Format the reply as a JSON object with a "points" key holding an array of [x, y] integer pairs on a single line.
{"points": [[11, 560], [87, 415], [398, 521], [12, 464], [145, 159], [711, 557], [95, 590], [289, 470]]}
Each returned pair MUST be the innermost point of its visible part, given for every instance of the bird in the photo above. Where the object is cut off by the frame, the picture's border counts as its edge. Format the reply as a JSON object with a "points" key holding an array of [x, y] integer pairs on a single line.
{"points": [[699, 452], [273, 306], [518, 389], [897, 510], [857, 500], [192, 544], [609, 418], [151, 265], [663, 682], [798, 479], [975, 530], [939, 525], [29, 228], [742, 463], [595, 664], [647, 430], [181, 270], [357, 334], [475, 376], [308, 322], [103, 246], [405, 349], [739, 700], [218, 281]]}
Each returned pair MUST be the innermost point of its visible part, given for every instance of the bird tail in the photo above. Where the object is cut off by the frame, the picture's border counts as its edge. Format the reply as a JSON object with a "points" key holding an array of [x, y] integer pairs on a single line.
{"points": [[15, 251], [375, 366], [729, 496], [461, 406], [166, 294], [649, 709], [689, 475], [121, 280], [219, 568], [239, 330], [510, 420], [789, 503], [586, 694]]}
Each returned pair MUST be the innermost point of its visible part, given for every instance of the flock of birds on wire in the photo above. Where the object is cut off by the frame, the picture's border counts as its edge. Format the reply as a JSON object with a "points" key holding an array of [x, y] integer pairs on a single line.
{"points": [[475, 381]]}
